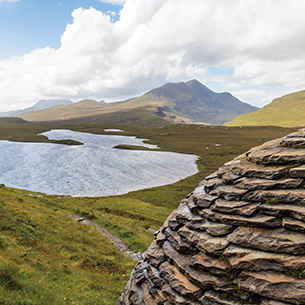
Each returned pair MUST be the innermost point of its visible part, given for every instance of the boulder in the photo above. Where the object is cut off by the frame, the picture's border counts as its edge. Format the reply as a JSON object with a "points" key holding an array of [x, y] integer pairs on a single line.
{"points": [[237, 239]]}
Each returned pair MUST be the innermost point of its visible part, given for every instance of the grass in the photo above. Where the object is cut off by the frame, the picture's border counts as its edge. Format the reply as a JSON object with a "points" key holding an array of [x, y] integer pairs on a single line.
{"points": [[287, 111], [48, 258]]}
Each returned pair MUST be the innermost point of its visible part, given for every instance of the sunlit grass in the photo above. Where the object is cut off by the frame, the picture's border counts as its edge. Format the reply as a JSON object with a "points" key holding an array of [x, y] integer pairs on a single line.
{"points": [[46, 257]]}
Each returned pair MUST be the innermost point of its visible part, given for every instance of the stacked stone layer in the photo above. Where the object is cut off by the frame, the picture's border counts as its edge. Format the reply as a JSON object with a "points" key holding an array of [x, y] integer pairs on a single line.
{"points": [[239, 238]]}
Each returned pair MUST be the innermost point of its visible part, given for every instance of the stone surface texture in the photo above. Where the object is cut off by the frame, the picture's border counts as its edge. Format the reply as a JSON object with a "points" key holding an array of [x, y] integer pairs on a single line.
{"points": [[238, 238]]}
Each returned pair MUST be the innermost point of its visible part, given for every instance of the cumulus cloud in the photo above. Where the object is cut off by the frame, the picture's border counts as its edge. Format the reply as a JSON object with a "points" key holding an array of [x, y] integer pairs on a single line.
{"points": [[155, 41]]}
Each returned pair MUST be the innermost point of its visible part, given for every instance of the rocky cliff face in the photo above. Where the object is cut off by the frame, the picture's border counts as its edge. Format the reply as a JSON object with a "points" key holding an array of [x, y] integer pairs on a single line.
{"points": [[239, 238]]}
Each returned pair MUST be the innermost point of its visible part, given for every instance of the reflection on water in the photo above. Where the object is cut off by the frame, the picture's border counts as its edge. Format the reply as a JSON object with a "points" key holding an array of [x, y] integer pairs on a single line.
{"points": [[93, 169]]}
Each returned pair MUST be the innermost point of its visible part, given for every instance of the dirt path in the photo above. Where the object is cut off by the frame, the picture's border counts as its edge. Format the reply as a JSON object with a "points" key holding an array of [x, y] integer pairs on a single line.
{"points": [[121, 246]]}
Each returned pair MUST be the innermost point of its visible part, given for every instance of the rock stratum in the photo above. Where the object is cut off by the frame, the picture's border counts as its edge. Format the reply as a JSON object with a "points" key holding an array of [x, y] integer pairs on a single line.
{"points": [[238, 238]]}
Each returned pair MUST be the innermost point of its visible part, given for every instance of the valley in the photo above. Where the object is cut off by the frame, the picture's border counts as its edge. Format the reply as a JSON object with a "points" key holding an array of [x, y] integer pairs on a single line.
{"points": [[42, 247]]}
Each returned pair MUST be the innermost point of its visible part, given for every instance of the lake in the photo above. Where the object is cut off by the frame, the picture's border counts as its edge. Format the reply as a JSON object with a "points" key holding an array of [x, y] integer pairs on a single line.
{"points": [[92, 169]]}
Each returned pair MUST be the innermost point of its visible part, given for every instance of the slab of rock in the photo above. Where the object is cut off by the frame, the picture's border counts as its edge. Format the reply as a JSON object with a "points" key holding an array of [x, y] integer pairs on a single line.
{"points": [[177, 242], [272, 302], [293, 139], [242, 208], [297, 172], [204, 241], [252, 184], [203, 280], [136, 293], [259, 220], [209, 263], [230, 178], [205, 200], [211, 176], [284, 210], [263, 152], [245, 168], [228, 192], [274, 285], [250, 259], [213, 183], [196, 225], [224, 169], [293, 224], [146, 296], [185, 215], [270, 240], [287, 157], [172, 296], [179, 282], [155, 254], [154, 276], [194, 208], [212, 297], [158, 296], [216, 228], [282, 196], [160, 238]]}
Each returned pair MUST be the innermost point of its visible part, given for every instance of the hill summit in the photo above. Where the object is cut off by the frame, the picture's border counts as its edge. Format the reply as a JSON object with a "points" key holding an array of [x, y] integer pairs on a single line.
{"points": [[287, 111], [172, 103]]}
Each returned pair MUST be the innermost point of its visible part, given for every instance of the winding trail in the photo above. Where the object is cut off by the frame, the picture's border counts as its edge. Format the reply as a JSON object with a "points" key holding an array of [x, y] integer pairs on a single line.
{"points": [[120, 245]]}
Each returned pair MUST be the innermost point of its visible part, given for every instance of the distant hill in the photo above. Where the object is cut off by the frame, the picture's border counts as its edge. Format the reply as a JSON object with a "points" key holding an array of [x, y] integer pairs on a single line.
{"points": [[42, 104], [287, 111], [173, 103]]}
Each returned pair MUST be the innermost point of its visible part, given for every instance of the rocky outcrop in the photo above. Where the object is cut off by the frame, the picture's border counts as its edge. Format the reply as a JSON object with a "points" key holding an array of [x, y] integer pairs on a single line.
{"points": [[238, 238]]}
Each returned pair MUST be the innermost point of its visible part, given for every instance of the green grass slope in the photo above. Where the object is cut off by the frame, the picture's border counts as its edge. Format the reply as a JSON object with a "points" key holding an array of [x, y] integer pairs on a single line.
{"points": [[173, 103], [46, 257], [287, 111]]}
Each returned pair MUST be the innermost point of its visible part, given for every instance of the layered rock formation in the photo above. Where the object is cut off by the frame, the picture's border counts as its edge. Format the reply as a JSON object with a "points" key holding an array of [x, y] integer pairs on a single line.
{"points": [[239, 238]]}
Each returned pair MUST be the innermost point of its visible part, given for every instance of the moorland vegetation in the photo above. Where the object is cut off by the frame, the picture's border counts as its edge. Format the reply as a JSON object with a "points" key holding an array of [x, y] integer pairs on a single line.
{"points": [[46, 257]]}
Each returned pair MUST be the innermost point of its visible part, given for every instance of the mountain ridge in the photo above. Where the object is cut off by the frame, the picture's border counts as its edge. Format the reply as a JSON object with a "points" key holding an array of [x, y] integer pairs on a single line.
{"points": [[184, 102], [42, 104]]}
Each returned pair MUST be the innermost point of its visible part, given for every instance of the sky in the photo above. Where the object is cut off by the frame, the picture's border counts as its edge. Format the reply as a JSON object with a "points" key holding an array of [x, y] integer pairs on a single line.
{"points": [[113, 50]]}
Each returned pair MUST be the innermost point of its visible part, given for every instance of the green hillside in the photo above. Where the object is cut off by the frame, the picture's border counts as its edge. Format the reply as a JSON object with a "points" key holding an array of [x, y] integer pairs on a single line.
{"points": [[46, 257], [287, 111], [173, 103]]}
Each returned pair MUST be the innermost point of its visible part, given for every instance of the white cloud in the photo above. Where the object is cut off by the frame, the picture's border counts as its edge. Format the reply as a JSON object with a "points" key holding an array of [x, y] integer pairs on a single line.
{"points": [[156, 41]]}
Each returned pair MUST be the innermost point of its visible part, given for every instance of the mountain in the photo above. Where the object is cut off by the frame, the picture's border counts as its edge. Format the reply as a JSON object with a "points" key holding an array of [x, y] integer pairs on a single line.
{"points": [[172, 103], [287, 111], [42, 104]]}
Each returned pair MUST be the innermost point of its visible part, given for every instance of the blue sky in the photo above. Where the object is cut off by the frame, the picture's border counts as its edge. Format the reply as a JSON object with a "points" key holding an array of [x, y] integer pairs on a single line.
{"points": [[30, 24], [117, 49]]}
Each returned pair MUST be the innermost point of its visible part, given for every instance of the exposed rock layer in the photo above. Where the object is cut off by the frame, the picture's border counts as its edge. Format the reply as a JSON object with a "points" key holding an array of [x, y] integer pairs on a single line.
{"points": [[239, 238]]}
